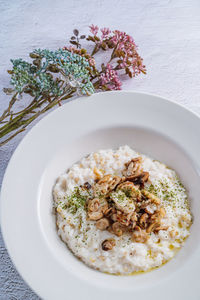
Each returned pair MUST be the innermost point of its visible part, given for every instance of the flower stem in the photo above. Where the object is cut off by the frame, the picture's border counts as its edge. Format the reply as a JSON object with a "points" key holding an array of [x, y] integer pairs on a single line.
{"points": [[17, 122], [7, 111], [95, 50], [12, 136]]}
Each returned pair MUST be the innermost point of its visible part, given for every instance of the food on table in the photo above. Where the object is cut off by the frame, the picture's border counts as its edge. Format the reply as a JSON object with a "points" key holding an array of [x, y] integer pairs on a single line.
{"points": [[122, 212]]}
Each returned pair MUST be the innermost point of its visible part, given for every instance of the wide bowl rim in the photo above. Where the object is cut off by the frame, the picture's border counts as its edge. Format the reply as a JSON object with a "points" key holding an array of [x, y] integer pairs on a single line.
{"points": [[42, 121]]}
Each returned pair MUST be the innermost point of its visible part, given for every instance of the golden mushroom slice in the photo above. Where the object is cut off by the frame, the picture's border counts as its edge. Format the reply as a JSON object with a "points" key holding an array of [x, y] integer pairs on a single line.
{"points": [[93, 205], [132, 167], [140, 236], [130, 190], [102, 224], [117, 228], [108, 244], [126, 196], [95, 215], [122, 202], [143, 220], [96, 208], [154, 199], [106, 184]]}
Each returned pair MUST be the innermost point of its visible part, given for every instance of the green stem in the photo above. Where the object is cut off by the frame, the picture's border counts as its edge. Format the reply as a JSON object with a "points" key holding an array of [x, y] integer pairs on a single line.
{"points": [[95, 50], [7, 111], [96, 84], [12, 125], [112, 55], [21, 111], [12, 136], [25, 123]]}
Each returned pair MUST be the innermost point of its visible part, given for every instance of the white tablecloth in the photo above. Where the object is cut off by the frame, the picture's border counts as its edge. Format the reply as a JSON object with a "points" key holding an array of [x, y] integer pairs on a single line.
{"points": [[166, 31]]}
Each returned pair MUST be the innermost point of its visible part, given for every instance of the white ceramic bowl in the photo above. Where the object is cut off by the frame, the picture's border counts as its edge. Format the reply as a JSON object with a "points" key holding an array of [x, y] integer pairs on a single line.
{"points": [[150, 124]]}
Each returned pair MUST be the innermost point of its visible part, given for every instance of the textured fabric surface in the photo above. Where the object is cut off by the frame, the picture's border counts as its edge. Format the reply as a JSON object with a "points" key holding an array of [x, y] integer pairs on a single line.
{"points": [[168, 35]]}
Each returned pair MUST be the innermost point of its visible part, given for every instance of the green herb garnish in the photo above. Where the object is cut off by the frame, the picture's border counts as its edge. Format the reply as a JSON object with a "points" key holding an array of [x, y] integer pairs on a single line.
{"points": [[77, 200]]}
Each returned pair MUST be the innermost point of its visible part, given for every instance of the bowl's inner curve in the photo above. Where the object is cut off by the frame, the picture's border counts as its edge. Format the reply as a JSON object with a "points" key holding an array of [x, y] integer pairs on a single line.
{"points": [[145, 141]]}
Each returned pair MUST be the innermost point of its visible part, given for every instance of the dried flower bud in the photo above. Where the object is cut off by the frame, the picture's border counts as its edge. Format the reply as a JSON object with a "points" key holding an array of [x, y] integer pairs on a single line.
{"points": [[34, 55], [96, 38], [90, 38], [53, 68], [8, 91], [76, 32], [83, 51], [37, 62], [104, 46]]}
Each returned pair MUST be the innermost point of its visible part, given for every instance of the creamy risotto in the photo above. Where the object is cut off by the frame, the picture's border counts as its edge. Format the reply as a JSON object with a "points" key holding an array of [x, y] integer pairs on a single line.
{"points": [[121, 212]]}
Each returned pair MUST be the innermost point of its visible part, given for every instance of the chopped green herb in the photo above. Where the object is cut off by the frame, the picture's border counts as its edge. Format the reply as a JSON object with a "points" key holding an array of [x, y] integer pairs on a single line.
{"points": [[76, 200], [119, 196], [170, 193], [64, 206]]}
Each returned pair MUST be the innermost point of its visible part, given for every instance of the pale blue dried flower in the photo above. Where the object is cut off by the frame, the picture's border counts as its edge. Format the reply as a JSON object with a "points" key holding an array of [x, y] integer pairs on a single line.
{"points": [[52, 73]]}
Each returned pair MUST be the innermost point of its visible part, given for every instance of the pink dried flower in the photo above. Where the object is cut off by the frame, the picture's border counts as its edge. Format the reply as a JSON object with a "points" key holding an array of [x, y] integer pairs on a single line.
{"points": [[110, 79], [105, 32], [126, 50], [94, 29], [120, 37], [100, 41]]}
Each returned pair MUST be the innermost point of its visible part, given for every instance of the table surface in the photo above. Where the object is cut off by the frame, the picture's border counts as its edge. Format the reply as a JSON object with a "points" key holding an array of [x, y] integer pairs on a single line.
{"points": [[168, 35]]}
